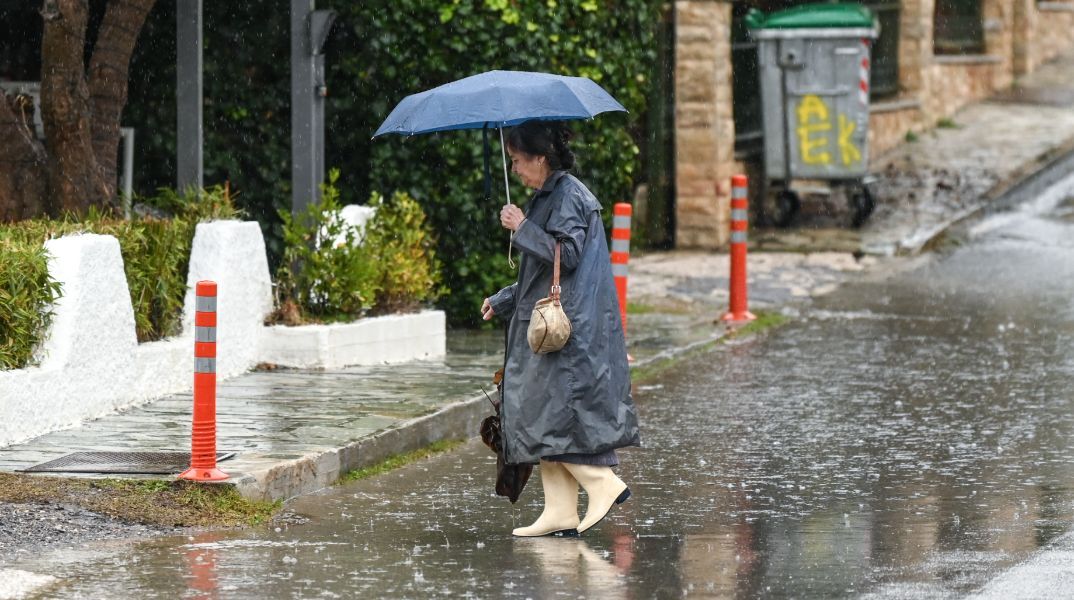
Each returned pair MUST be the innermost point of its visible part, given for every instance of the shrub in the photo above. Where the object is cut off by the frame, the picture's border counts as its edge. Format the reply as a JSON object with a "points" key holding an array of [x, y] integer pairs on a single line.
{"points": [[402, 246], [26, 296], [156, 254], [378, 52], [325, 275], [156, 257], [334, 271]]}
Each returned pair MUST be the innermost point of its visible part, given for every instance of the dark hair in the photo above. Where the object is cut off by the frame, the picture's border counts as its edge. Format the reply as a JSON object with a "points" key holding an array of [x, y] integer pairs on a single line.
{"points": [[550, 139]]}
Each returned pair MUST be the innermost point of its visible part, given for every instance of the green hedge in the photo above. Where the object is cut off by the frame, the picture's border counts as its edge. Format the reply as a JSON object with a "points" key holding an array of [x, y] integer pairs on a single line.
{"points": [[379, 52], [156, 254], [333, 271], [26, 295]]}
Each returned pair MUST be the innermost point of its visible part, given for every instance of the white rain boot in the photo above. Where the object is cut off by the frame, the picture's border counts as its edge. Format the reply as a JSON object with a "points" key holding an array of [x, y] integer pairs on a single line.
{"points": [[560, 515], [604, 489]]}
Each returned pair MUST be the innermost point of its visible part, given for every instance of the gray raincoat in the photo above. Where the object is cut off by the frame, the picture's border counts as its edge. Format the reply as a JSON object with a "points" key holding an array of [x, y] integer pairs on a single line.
{"points": [[576, 400]]}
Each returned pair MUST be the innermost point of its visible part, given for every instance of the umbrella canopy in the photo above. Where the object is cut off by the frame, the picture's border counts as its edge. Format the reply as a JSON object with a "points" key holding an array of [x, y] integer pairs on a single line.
{"points": [[498, 99]]}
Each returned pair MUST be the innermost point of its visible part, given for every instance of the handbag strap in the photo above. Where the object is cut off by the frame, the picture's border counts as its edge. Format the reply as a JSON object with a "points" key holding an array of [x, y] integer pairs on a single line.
{"points": [[554, 294]]}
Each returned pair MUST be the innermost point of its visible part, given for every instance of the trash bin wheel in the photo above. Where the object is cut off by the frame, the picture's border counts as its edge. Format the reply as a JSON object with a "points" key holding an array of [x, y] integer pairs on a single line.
{"points": [[786, 207], [862, 205]]}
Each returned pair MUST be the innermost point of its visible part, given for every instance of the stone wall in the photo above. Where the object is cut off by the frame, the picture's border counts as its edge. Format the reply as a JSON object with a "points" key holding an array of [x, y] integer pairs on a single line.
{"points": [[704, 125], [889, 122], [959, 80], [1054, 31]]}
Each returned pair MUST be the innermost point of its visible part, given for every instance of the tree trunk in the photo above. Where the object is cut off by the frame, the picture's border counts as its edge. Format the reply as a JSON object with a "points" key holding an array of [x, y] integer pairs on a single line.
{"points": [[22, 161], [75, 168], [74, 178], [108, 74]]}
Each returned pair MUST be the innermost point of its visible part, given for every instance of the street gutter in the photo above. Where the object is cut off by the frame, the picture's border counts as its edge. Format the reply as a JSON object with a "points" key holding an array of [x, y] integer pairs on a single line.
{"points": [[1027, 182]]}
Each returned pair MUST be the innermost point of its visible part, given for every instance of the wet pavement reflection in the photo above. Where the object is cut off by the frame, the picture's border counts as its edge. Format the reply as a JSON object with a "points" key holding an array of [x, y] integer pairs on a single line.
{"points": [[903, 438]]}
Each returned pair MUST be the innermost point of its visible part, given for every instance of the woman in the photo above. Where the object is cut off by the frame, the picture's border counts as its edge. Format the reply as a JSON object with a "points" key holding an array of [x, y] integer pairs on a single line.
{"points": [[567, 410]]}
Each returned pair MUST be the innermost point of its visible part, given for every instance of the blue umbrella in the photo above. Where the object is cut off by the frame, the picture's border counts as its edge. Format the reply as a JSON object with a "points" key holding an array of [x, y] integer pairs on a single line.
{"points": [[498, 99]]}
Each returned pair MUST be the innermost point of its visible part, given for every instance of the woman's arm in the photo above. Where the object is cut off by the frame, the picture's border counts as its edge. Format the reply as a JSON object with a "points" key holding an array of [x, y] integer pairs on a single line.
{"points": [[567, 225], [503, 301]]}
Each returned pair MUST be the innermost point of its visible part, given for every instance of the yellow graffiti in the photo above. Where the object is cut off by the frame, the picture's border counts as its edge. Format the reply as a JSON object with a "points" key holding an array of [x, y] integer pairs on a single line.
{"points": [[847, 148], [813, 119]]}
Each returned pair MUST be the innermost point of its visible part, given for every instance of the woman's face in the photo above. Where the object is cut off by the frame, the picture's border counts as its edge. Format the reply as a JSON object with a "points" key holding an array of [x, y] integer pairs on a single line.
{"points": [[532, 170]]}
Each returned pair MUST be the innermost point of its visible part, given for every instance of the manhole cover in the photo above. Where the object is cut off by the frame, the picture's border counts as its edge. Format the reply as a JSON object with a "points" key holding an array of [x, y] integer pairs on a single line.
{"points": [[142, 463]]}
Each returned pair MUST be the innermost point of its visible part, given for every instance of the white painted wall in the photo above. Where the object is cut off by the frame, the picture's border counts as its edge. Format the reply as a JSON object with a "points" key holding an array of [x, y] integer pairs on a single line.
{"points": [[91, 363], [375, 341]]}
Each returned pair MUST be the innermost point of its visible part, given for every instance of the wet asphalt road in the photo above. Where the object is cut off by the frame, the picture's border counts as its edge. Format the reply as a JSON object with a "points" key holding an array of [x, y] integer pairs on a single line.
{"points": [[907, 437]]}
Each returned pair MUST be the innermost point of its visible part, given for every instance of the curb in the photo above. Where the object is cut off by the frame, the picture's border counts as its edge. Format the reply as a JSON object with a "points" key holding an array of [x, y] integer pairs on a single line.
{"points": [[1028, 181], [318, 470]]}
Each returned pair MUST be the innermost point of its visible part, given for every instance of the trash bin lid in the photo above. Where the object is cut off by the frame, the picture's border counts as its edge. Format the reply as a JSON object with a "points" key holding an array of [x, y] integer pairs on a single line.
{"points": [[813, 16]]}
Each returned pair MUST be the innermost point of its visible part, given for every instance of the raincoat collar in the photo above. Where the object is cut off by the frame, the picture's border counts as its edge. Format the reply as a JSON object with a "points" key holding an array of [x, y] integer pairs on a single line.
{"points": [[550, 183]]}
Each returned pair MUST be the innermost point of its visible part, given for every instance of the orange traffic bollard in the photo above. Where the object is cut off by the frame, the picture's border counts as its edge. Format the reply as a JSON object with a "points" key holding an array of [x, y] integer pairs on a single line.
{"points": [[621, 254], [739, 308], [203, 435]]}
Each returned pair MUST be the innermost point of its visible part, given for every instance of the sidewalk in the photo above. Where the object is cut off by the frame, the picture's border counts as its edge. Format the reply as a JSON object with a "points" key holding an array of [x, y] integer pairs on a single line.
{"points": [[298, 431], [295, 432]]}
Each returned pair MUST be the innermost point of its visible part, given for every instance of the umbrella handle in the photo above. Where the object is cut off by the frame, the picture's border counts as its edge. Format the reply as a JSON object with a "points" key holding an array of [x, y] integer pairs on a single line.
{"points": [[507, 187], [503, 152]]}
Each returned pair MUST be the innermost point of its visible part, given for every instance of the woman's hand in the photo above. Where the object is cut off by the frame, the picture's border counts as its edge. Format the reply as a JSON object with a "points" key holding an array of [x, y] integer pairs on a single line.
{"points": [[511, 217], [486, 310]]}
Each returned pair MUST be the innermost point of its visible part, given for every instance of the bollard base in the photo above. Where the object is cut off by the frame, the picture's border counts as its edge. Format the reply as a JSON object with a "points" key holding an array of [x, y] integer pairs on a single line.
{"points": [[736, 317], [199, 474]]}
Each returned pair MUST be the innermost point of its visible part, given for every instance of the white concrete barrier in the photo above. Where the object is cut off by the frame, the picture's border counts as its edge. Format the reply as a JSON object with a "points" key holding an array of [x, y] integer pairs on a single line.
{"points": [[91, 363], [372, 341], [85, 359], [232, 254]]}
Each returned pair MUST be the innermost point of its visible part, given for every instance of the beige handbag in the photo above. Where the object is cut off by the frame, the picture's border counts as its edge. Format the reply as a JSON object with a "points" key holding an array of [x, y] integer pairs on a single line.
{"points": [[549, 326]]}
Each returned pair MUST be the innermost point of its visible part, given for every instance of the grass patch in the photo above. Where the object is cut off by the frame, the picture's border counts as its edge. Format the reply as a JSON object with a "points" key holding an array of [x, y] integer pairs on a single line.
{"points": [[637, 308], [398, 460], [149, 501], [670, 307], [911, 137], [947, 123], [765, 320]]}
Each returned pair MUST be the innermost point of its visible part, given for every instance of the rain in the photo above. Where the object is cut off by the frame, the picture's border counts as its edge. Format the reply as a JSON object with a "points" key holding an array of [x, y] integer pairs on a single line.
{"points": [[901, 431], [914, 455]]}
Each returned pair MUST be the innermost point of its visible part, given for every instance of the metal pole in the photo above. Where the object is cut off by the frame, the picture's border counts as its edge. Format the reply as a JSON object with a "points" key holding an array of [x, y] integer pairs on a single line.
{"points": [[128, 169], [304, 179], [188, 94]]}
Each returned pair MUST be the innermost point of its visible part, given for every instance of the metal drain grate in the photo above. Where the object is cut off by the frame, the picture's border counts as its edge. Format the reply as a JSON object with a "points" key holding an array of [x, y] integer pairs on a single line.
{"points": [[141, 463]]}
